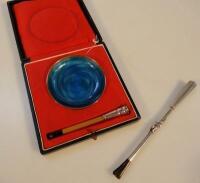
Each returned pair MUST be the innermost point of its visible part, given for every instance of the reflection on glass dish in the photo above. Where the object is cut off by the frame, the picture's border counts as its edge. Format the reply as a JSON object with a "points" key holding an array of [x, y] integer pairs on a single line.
{"points": [[76, 82]]}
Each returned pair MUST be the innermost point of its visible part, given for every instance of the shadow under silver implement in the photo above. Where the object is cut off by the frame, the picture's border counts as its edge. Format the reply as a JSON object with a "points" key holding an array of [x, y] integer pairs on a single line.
{"points": [[181, 95]]}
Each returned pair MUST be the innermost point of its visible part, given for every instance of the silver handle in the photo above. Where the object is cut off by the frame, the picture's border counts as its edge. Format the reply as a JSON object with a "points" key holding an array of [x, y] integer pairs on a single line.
{"points": [[118, 112], [184, 92], [181, 95]]}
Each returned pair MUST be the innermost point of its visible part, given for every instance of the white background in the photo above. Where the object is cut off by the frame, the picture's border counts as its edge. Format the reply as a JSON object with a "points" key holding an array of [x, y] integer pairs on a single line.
{"points": [[156, 45]]}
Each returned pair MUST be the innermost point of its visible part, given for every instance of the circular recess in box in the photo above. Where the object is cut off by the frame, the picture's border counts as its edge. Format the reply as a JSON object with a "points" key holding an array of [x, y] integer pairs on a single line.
{"points": [[76, 82], [53, 25]]}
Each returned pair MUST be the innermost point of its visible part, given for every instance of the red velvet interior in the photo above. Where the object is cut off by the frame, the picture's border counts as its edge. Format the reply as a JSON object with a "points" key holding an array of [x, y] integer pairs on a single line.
{"points": [[49, 27], [53, 116]]}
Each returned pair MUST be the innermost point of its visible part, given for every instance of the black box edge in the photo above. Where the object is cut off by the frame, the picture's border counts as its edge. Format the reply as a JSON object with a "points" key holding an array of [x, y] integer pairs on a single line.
{"points": [[24, 60]]}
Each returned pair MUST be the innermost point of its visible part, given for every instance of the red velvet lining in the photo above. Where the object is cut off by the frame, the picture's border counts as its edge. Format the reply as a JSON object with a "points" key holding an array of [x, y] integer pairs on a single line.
{"points": [[50, 27], [53, 116]]}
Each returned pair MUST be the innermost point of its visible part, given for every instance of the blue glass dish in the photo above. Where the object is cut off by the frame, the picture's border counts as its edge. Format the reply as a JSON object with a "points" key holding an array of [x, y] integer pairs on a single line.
{"points": [[76, 82]]}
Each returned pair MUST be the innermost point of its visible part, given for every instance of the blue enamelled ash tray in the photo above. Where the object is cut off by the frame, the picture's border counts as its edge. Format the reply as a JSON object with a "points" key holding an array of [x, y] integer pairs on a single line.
{"points": [[76, 81]]}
